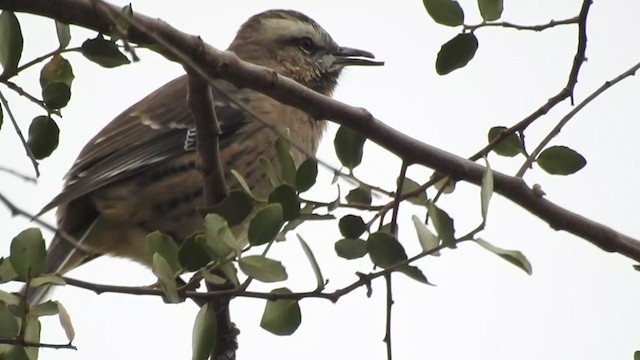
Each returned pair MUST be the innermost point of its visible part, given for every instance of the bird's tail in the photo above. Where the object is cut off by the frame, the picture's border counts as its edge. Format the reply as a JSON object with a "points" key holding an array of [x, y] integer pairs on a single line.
{"points": [[63, 255]]}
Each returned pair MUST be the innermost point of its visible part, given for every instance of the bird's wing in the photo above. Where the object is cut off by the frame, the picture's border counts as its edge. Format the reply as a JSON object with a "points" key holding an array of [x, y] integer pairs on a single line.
{"points": [[149, 132]]}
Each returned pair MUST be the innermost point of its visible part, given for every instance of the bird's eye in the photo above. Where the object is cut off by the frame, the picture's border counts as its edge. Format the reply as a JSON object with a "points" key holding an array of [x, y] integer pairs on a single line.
{"points": [[306, 44]]}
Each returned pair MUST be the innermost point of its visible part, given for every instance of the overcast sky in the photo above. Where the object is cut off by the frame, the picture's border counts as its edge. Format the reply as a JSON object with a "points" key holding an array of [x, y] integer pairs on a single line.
{"points": [[580, 303]]}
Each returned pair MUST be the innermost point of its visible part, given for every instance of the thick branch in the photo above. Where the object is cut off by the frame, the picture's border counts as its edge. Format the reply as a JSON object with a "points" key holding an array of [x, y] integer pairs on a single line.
{"points": [[218, 64]]}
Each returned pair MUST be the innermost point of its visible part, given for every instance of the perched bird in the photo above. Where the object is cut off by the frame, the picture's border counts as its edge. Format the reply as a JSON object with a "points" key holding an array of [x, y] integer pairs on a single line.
{"points": [[137, 176]]}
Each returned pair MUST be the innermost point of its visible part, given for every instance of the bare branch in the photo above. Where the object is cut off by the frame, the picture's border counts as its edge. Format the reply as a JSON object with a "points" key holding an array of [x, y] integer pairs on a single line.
{"points": [[225, 65]]}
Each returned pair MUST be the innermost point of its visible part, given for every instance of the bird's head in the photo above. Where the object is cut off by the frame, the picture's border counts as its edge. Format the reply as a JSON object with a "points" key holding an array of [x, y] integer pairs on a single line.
{"points": [[295, 46]]}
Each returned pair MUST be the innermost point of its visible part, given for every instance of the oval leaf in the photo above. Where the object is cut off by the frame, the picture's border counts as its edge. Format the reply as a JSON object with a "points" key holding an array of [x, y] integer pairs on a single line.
{"points": [[486, 190], [11, 42], [509, 146], [513, 256], [445, 12], [265, 224], [203, 335], [262, 268], [427, 239], [314, 264], [490, 9], [306, 175], [281, 317], [352, 226], [103, 52], [456, 53], [561, 160], [443, 224], [385, 250], [287, 197], [235, 207], [349, 147], [351, 248], [65, 322], [8, 323], [64, 34], [359, 196], [192, 254], [166, 277], [28, 253], [164, 245], [44, 136], [287, 165], [414, 273]]}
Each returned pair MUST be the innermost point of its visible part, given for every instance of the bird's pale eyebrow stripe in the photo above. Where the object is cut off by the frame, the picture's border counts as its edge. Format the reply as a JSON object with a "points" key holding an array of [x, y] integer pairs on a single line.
{"points": [[290, 27]]}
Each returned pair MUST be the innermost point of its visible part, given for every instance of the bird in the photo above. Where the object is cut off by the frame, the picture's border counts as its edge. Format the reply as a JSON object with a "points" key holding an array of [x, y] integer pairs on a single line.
{"points": [[137, 175]]}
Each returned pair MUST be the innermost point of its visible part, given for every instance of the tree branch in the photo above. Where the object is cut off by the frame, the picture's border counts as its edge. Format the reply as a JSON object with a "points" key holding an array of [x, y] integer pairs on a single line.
{"points": [[218, 64]]}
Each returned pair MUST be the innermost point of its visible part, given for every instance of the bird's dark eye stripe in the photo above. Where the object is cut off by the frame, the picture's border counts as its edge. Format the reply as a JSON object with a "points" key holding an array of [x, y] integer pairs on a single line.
{"points": [[306, 44]]}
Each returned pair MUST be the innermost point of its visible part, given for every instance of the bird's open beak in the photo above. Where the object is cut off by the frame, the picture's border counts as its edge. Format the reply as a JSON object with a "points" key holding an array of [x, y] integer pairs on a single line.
{"points": [[348, 56]]}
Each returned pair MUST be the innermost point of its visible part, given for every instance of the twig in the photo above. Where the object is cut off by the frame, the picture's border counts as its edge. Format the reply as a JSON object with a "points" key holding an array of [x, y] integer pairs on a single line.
{"points": [[505, 24], [37, 345], [19, 175], [387, 335], [556, 130], [34, 162]]}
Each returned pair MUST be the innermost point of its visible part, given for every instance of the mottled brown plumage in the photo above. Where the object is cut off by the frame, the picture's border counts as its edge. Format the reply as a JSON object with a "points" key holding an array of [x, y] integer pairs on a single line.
{"points": [[136, 176]]}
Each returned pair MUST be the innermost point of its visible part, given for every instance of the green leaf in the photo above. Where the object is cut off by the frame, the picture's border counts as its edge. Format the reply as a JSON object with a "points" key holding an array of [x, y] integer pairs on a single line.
{"points": [[58, 69], [427, 239], [64, 34], [267, 167], [561, 160], [314, 264], [1, 116], [636, 355], [14, 352], [56, 95], [11, 43], [28, 253], [359, 196], [456, 53], [445, 12], [351, 248], [510, 146], [103, 52], [32, 335], [204, 334], [281, 317], [242, 182], [215, 230], [9, 299], [352, 226], [287, 197], [234, 208], [349, 147], [8, 323], [287, 165], [164, 245], [513, 256], [7, 273], [193, 254], [46, 308], [414, 273], [262, 268], [443, 224], [44, 136], [408, 186], [490, 9], [486, 190], [47, 280], [385, 250], [265, 224], [65, 322], [166, 277], [306, 175]]}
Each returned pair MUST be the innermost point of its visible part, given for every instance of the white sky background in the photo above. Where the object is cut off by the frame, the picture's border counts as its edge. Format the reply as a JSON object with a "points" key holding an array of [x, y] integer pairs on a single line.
{"points": [[580, 303]]}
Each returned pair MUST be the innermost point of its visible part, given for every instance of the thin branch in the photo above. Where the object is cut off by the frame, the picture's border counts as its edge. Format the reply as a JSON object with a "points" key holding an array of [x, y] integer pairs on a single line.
{"points": [[396, 202], [16, 211], [36, 345], [34, 162], [225, 65], [37, 60], [19, 175], [556, 130], [20, 91], [505, 24], [389, 301]]}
